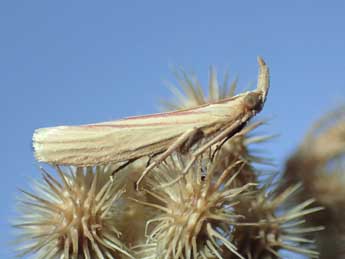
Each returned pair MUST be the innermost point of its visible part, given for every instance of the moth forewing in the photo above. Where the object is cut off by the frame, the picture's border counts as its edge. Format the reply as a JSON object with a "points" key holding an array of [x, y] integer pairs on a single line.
{"points": [[114, 141], [135, 137]]}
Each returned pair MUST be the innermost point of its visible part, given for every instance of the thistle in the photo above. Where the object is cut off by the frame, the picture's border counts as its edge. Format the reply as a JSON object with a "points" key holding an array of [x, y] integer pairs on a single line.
{"points": [[193, 95], [131, 216], [195, 216], [270, 226], [71, 218], [319, 165]]}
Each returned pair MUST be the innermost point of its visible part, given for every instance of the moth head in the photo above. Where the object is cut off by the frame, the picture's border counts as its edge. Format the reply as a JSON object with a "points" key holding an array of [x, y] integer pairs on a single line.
{"points": [[253, 101]]}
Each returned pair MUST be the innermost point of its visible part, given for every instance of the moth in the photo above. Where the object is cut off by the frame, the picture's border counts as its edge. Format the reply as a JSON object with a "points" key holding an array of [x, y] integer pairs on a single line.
{"points": [[156, 135]]}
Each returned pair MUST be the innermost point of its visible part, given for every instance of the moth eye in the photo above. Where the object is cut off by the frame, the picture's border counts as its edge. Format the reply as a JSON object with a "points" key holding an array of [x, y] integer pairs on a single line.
{"points": [[252, 101]]}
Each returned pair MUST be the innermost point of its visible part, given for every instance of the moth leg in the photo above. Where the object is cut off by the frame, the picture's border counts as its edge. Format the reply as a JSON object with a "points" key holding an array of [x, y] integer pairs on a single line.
{"points": [[151, 157], [218, 147], [178, 143], [122, 166], [191, 140], [226, 133]]}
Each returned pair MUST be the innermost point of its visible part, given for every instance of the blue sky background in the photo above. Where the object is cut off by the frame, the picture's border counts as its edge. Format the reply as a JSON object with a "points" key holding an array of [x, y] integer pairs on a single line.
{"points": [[73, 62]]}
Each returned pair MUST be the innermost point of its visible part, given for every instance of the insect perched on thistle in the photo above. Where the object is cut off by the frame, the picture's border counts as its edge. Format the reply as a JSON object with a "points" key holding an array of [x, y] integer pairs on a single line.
{"points": [[157, 135]]}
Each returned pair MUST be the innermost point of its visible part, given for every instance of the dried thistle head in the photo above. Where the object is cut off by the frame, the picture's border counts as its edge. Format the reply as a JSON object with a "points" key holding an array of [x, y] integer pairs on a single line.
{"points": [[320, 154], [72, 217], [268, 226], [132, 216], [319, 163], [240, 147], [193, 95], [195, 215]]}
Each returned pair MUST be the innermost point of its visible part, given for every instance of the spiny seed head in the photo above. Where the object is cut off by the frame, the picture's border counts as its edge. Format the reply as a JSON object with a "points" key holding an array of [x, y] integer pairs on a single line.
{"points": [[131, 215], [192, 94], [195, 215], [239, 147], [72, 217], [320, 165], [266, 229]]}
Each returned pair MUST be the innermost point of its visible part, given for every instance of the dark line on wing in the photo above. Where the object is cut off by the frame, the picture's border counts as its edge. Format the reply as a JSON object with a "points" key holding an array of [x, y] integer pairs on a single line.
{"points": [[136, 125], [164, 114], [188, 111]]}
